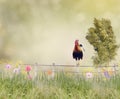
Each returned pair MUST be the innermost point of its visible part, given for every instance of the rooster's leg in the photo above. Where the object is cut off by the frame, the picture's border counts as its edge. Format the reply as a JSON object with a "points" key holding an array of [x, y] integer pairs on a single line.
{"points": [[78, 63], [77, 66]]}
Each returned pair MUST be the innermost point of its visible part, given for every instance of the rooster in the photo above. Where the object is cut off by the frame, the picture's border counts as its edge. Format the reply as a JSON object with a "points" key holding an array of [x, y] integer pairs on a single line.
{"points": [[77, 52]]}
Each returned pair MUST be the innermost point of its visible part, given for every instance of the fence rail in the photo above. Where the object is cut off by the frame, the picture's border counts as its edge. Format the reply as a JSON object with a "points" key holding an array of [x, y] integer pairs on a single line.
{"points": [[65, 65], [55, 67], [59, 67]]}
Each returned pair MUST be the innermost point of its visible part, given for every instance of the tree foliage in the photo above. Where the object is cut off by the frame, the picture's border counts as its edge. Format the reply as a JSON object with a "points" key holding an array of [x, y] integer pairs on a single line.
{"points": [[102, 38]]}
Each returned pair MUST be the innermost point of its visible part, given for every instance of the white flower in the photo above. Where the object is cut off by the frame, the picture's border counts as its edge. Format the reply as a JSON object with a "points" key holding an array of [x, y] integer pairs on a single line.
{"points": [[89, 75], [16, 70]]}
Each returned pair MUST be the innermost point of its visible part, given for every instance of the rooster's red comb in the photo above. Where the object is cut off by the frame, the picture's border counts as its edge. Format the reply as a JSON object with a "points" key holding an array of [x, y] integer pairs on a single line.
{"points": [[76, 42]]}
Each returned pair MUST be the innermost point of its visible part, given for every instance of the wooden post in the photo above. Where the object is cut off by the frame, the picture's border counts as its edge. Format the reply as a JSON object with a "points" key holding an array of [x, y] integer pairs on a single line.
{"points": [[35, 70]]}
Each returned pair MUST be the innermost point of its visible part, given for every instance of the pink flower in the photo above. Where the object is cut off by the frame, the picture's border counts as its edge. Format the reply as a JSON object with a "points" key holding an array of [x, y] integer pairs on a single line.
{"points": [[89, 75], [8, 66], [28, 68]]}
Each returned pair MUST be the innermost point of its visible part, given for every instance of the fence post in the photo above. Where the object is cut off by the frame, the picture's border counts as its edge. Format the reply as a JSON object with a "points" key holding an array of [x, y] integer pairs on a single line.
{"points": [[53, 66], [35, 69], [52, 70], [19, 66], [99, 72], [114, 67]]}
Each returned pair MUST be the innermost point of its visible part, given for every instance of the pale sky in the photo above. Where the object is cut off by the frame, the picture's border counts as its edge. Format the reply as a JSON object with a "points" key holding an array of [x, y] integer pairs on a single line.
{"points": [[44, 31]]}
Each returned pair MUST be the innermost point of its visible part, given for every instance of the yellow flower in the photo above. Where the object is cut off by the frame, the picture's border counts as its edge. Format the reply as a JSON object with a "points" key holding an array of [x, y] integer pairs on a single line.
{"points": [[23, 72], [104, 79]]}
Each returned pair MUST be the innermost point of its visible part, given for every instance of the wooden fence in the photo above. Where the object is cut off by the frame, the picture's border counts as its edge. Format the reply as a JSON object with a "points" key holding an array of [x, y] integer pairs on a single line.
{"points": [[63, 67]]}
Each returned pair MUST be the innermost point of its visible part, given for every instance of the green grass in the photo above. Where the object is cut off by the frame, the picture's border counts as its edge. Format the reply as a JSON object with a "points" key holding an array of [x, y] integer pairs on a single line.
{"points": [[61, 87]]}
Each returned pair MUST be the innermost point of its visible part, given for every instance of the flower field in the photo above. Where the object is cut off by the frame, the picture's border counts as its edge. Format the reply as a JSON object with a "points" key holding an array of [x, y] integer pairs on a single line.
{"points": [[24, 83]]}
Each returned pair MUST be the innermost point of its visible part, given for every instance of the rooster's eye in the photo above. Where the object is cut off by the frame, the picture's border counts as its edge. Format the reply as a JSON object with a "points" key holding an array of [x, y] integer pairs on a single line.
{"points": [[80, 45]]}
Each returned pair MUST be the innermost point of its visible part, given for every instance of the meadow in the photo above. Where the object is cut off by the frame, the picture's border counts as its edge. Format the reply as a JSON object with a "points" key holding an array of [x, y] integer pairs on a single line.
{"points": [[44, 31], [61, 86]]}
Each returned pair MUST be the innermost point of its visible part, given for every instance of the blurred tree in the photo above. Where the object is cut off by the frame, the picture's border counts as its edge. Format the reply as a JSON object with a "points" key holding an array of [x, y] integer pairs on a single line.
{"points": [[102, 37]]}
